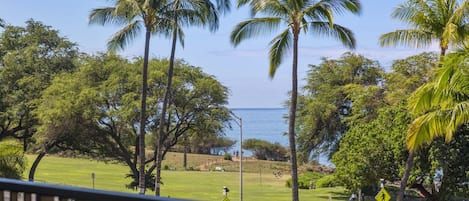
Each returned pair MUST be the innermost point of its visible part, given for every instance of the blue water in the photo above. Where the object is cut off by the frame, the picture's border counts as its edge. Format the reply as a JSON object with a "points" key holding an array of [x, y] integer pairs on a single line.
{"points": [[265, 124], [270, 124]]}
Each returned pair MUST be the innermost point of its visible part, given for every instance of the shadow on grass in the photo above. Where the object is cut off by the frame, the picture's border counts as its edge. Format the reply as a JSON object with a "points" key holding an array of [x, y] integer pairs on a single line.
{"points": [[336, 195]]}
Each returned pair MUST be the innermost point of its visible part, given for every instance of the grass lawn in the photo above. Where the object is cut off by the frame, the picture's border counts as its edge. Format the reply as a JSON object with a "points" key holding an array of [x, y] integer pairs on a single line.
{"points": [[194, 185]]}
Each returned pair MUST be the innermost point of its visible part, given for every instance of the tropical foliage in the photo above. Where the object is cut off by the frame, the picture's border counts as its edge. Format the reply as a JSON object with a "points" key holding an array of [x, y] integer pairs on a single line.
{"points": [[298, 16], [442, 21]]}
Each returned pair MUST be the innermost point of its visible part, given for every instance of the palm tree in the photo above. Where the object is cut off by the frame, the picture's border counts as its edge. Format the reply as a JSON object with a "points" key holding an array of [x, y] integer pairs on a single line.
{"points": [[296, 15], [184, 13], [443, 21], [441, 105], [133, 15]]}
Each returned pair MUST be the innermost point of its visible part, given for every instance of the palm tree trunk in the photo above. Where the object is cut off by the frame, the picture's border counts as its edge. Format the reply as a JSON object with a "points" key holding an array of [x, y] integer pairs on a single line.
{"points": [[143, 117], [292, 117], [405, 177], [159, 153]]}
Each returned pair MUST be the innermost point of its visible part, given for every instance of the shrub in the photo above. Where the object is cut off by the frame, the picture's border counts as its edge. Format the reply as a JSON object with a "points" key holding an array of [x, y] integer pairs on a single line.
{"points": [[227, 156], [307, 180], [327, 181]]}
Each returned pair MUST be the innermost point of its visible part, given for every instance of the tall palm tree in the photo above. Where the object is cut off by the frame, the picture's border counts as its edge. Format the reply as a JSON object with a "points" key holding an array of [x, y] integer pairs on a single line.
{"points": [[296, 16], [133, 15], [443, 21], [183, 13]]}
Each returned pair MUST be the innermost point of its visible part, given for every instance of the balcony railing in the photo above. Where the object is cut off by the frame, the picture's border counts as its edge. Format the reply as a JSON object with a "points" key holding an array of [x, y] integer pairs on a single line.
{"points": [[17, 190]]}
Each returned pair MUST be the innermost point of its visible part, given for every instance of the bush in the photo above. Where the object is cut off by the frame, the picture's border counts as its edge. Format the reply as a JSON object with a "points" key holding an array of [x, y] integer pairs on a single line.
{"points": [[12, 159], [227, 156], [307, 180], [327, 181]]}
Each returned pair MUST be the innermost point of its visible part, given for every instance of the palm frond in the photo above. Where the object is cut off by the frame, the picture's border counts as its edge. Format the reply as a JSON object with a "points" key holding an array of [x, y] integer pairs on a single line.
{"points": [[422, 100], [253, 27], [124, 36], [319, 12], [278, 50], [341, 6], [411, 37], [427, 127], [341, 33], [103, 16]]}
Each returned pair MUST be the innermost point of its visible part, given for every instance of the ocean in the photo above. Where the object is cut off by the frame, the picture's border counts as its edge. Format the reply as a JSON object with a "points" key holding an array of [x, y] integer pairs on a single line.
{"points": [[269, 124]]}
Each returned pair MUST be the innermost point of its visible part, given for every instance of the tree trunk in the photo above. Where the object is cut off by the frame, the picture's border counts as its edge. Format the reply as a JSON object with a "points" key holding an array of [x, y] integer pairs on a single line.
{"points": [[159, 154], [143, 117], [405, 177], [292, 117], [185, 153], [38, 159]]}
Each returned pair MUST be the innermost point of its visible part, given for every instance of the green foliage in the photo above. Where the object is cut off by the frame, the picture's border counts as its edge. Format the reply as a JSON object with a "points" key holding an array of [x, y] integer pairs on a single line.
{"points": [[441, 106], [307, 180], [12, 159], [430, 21], [30, 57], [94, 111], [339, 92], [227, 156], [327, 182], [264, 150], [374, 150]]}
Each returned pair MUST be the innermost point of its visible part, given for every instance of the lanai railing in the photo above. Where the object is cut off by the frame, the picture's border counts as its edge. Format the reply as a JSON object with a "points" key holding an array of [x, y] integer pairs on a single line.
{"points": [[17, 190]]}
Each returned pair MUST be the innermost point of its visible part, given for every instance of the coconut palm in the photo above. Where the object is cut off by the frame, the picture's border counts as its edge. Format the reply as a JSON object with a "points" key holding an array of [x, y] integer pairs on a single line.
{"points": [[134, 15], [442, 21], [442, 105], [296, 16], [183, 13]]}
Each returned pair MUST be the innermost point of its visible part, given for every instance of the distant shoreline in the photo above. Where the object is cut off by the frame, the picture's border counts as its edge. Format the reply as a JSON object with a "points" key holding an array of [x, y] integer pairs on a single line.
{"points": [[255, 108]]}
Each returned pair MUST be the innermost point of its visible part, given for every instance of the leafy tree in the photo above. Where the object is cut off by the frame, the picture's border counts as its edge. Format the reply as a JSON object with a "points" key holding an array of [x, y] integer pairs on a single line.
{"points": [[338, 93], [373, 150], [135, 15], [264, 150], [295, 16], [184, 12], [30, 57], [12, 160], [444, 21], [94, 110]]}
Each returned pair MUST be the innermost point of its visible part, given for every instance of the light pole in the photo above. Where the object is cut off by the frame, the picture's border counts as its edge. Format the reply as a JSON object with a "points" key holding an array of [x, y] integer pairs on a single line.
{"points": [[240, 124]]}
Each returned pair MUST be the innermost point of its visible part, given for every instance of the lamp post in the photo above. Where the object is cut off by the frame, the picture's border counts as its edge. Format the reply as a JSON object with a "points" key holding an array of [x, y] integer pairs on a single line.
{"points": [[240, 124]]}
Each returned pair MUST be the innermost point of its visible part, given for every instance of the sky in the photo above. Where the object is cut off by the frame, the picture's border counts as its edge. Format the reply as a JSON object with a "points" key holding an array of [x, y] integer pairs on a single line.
{"points": [[243, 69]]}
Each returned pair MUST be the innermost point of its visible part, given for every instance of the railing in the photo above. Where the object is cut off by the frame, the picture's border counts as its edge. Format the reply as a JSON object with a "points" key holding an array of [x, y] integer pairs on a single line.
{"points": [[17, 190]]}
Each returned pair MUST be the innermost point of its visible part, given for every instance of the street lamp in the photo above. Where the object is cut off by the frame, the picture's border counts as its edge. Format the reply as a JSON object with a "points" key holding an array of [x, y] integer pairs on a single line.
{"points": [[240, 124]]}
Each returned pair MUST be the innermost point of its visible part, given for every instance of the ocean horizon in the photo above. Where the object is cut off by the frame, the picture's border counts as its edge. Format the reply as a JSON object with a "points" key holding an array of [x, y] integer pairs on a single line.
{"points": [[269, 124]]}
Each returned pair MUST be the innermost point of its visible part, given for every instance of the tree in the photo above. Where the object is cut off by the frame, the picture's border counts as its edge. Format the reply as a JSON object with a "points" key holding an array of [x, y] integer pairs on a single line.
{"points": [[339, 93], [30, 57], [184, 12], [93, 111], [134, 15], [264, 150], [12, 159], [442, 105], [296, 16], [444, 21]]}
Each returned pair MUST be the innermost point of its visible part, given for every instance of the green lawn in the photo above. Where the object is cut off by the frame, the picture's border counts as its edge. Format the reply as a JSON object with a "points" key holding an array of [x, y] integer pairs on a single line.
{"points": [[195, 185]]}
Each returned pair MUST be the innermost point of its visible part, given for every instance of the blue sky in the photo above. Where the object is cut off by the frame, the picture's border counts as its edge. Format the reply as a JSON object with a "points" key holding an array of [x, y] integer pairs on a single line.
{"points": [[244, 69]]}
